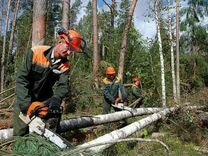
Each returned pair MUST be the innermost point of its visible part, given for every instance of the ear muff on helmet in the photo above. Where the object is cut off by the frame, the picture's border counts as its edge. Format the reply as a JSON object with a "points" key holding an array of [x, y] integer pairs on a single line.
{"points": [[73, 39], [38, 109]]}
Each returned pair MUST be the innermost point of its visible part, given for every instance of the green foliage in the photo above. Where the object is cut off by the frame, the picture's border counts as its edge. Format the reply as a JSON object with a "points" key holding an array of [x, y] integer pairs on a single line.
{"points": [[34, 145], [74, 12], [123, 13], [194, 69], [24, 25], [83, 95], [194, 35]]}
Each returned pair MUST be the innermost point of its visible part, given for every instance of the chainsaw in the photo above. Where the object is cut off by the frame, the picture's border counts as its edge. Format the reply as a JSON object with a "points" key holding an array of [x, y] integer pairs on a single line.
{"points": [[37, 126]]}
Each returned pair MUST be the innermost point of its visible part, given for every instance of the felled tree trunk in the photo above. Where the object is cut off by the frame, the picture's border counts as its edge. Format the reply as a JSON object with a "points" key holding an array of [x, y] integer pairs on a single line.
{"points": [[123, 132], [101, 119], [6, 134], [83, 122]]}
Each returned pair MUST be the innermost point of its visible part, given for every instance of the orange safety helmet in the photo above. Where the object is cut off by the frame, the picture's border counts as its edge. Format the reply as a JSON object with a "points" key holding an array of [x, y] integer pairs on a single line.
{"points": [[110, 71], [73, 39], [38, 109], [136, 78]]}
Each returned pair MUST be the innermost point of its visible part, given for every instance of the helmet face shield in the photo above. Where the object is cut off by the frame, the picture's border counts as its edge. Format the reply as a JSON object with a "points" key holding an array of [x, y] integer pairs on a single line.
{"points": [[77, 44], [73, 39]]}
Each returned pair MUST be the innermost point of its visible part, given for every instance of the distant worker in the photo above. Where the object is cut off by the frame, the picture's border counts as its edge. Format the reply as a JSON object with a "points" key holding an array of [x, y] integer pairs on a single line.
{"points": [[136, 92], [114, 91], [36, 92]]}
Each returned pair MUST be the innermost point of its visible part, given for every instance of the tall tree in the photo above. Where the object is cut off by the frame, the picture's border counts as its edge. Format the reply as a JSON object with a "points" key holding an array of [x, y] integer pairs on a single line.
{"points": [[4, 47], [158, 22], [1, 15], [177, 52], [65, 14], [74, 12], [172, 60], [171, 43], [39, 22], [124, 40], [96, 55], [12, 31], [112, 11]]}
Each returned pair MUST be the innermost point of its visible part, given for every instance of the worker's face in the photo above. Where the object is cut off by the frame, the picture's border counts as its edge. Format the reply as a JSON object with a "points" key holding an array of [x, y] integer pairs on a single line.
{"points": [[62, 50], [137, 83], [111, 76]]}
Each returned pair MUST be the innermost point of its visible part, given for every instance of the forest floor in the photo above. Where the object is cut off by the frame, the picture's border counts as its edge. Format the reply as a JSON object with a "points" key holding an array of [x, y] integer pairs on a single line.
{"points": [[180, 132]]}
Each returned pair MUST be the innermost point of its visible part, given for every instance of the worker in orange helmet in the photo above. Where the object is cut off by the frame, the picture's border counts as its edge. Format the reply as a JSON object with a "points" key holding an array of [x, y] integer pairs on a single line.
{"points": [[114, 91], [136, 92], [45, 66]]}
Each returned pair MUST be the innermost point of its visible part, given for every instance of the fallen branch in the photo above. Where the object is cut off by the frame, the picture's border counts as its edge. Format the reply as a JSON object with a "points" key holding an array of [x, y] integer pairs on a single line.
{"points": [[7, 90], [125, 131], [201, 149], [135, 102], [7, 97], [6, 143], [82, 149]]}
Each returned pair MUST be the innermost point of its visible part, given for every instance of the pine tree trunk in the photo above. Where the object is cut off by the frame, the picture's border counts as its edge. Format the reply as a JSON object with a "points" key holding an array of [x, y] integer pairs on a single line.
{"points": [[96, 55], [65, 15], [39, 22], [177, 53], [124, 40]]}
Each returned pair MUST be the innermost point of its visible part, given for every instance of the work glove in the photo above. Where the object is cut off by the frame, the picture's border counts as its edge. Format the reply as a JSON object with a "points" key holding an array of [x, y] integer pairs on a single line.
{"points": [[54, 105]]}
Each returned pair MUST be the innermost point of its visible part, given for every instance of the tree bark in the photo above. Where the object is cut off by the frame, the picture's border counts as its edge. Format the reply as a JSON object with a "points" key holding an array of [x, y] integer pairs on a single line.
{"points": [[6, 134], [158, 16], [39, 22], [65, 15], [1, 15], [124, 132], [101, 119], [177, 53], [124, 40], [83, 122], [12, 32], [4, 47], [172, 61], [96, 56]]}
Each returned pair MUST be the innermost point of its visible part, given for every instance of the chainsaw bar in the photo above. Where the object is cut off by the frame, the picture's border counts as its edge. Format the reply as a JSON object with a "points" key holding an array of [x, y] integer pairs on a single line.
{"points": [[38, 126]]}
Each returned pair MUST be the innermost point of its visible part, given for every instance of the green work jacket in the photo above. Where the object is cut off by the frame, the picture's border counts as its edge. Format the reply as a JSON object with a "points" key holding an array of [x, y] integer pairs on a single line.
{"points": [[36, 78], [135, 93], [111, 90]]}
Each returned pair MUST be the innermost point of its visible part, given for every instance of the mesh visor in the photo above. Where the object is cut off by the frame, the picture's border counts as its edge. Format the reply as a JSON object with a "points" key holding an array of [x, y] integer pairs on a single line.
{"points": [[77, 44]]}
